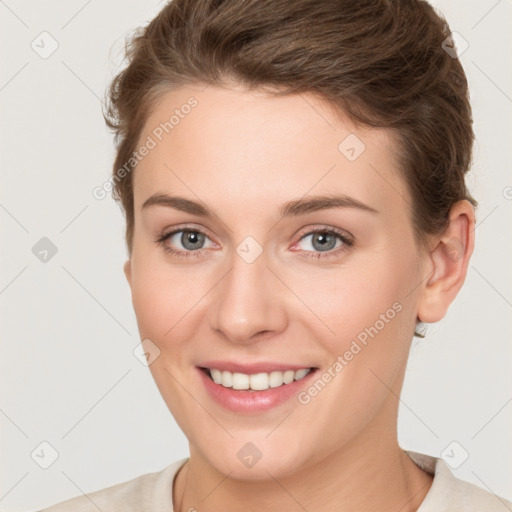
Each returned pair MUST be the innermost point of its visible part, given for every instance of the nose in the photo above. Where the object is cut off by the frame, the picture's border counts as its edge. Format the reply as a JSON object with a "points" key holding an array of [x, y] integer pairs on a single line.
{"points": [[248, 302]]}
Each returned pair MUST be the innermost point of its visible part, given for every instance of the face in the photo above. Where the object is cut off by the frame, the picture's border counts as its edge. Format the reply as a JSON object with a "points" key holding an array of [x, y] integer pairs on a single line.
{"points": [[272, 236]]}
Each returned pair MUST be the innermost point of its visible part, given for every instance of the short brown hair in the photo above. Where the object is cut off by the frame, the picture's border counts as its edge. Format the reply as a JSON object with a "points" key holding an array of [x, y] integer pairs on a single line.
{"points": [[381, 62]]}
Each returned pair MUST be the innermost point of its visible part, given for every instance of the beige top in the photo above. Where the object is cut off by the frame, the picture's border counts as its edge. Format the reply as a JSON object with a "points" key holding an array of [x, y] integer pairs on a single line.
{"points": [[152, 492]]}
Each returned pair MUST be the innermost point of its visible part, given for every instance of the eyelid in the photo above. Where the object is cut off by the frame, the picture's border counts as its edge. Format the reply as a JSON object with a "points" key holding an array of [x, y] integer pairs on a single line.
{"points": [[346, 238], [162, 237], [326, 229], [166, 233]]}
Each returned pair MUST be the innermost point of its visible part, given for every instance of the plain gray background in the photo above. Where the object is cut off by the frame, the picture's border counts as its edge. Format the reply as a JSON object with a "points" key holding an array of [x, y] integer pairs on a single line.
{"points": [[68, 373]]}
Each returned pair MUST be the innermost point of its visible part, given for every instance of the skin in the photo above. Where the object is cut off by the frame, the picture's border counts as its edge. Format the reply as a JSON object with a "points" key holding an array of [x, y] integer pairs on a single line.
{"points": [[243, 155]]}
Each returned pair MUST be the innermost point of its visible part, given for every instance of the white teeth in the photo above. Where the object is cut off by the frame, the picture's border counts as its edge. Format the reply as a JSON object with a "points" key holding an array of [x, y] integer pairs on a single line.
{"points": [[257, 381], [227, 379], [216, 376], [240, 381], [288, 376], [301, 373], [275, 379]]}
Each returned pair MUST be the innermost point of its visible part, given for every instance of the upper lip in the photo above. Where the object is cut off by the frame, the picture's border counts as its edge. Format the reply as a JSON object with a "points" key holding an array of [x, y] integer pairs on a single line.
{"points": [[252, 368]]}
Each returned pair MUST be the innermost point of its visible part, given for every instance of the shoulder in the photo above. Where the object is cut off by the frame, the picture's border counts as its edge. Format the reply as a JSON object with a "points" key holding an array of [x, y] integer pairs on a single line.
{"points": [[449, 493], [465, 495], [146, 493]]}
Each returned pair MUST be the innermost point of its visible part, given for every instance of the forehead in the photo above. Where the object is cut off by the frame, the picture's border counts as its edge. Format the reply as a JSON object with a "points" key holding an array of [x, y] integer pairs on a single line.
{"points": [[222, 143]]}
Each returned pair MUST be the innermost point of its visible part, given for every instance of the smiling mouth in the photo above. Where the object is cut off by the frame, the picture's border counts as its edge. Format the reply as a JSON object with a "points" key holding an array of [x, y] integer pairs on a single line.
{"points": [[255, 382]]}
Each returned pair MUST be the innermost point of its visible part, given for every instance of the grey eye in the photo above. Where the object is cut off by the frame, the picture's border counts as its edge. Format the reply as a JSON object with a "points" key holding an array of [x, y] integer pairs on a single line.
{"points": [[322, 241], [190, 240]]}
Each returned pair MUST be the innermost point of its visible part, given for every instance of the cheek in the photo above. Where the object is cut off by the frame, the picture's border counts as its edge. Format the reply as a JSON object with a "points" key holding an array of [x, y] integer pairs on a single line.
{"points": [[346, 301], [166, 299], [167, 305], [367, 321], [364, 352]]}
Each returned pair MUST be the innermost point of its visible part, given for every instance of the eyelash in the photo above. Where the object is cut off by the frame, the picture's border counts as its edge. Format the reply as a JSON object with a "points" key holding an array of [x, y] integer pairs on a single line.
{"points": [[348, 242]]}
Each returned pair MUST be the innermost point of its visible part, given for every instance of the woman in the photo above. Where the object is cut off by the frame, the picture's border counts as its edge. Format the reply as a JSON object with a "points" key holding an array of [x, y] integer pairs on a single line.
{"points": [[292, 176]]}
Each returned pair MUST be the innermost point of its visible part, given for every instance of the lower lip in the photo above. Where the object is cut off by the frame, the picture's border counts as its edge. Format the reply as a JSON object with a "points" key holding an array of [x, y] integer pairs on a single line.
{"points": [[243, 401]]}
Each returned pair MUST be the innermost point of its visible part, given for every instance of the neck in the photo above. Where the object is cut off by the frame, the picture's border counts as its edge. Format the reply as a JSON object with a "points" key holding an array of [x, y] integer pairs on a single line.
{"points": [[373, 473]]}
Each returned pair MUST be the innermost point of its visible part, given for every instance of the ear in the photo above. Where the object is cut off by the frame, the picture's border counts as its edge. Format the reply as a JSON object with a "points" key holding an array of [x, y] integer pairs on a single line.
{"points": [[128, 271], [447, 263]]}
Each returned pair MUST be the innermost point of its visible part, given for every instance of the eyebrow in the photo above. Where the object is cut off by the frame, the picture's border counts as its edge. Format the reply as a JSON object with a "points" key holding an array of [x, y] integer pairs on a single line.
{"points": [[291, 208]]}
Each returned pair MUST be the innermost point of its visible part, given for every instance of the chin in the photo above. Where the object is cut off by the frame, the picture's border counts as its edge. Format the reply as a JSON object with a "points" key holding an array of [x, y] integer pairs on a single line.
{"points": [[259, 460]]}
